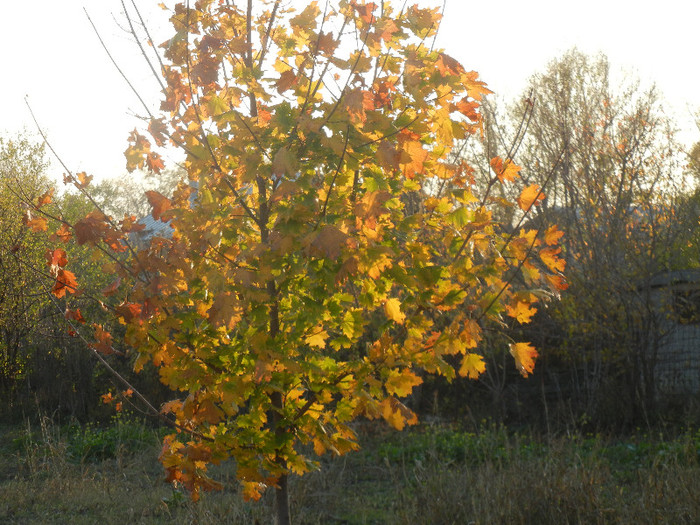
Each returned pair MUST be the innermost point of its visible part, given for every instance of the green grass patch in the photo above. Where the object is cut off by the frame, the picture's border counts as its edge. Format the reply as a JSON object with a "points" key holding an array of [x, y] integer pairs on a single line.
{"points": [[426, 475]]}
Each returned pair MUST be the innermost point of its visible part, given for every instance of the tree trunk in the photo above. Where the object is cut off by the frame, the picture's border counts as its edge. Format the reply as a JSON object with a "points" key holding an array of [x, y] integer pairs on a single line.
{"points": [[282, 502]]}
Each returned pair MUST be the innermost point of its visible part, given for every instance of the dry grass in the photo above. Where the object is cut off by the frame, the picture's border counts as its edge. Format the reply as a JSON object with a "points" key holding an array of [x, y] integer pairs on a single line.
{"points": [[428, 476]]}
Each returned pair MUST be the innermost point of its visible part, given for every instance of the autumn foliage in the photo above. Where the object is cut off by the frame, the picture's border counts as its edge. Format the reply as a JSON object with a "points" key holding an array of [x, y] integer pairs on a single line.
{"points": [[327, 243]]}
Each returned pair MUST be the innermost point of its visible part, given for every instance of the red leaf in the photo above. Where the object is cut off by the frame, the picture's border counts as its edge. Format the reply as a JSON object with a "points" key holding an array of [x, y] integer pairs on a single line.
{"points": [[287, 80], [158, 130], [112, 288], [365, 11], [446, 65], [90, 229], [154, 162], [129, 311], [75, 315], [104, 341]]}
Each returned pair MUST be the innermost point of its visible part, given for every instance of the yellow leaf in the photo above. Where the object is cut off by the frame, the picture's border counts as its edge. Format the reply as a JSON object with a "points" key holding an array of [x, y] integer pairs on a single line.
{"points": [[521, 311], [397, 414], [317, 339], [283, 163], [475, 88], [306, 20], [471, 334], [531, 196], [524, 355], [392, 309], [401, 383], [252, 490], [472, 366], [224, 311]]}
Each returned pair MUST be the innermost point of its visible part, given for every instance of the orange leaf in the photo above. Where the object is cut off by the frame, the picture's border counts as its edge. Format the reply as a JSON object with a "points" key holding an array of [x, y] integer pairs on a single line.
{"points": [[225, 311], [446, 65], [63, 234], [412, 158], [326, 43], [557, 281], [358, 101], [37, 224], [46, 198], [365, 11], [158, 130], [159, 203], [387, 155], [329, 242], [401, 384], [531, 196], [552, 235], [549, 257], [505, 171], [56, 258], [139, 148], [475, 88], [471, 334], [65, 280], [524, 355], [468, 108], [252, 490], [91, 228]]}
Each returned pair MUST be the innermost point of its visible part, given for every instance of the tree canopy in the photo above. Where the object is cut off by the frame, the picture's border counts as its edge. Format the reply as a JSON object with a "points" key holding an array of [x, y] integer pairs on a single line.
{"points": [[328, 241]]}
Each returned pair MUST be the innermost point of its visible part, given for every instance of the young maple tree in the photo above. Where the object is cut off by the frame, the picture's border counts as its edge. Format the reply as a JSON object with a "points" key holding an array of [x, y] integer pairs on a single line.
{"points": [[326, 245]]}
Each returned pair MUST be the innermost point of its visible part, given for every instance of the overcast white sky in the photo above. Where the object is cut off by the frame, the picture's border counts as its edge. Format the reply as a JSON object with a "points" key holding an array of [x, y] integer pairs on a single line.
{"points": [[51, 54]]}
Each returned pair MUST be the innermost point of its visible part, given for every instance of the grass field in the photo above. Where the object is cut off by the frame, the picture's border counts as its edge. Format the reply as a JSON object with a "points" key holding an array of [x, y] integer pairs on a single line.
{"points": [[429, 475]]}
